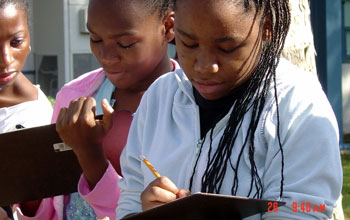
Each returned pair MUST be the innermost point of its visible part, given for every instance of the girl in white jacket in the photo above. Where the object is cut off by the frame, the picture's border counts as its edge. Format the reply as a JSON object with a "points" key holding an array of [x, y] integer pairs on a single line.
{"points": [[236, 120]]}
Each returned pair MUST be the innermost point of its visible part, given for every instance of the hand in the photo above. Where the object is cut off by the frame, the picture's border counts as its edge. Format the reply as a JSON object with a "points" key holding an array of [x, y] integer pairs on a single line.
{"points": [[79, 129], [105, 218], [160, 191], [3, 214], [77, 126]]}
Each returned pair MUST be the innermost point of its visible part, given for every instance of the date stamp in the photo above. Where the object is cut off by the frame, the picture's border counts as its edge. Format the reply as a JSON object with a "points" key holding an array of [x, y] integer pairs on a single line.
{"points": [[308, 207], [299, 207]]}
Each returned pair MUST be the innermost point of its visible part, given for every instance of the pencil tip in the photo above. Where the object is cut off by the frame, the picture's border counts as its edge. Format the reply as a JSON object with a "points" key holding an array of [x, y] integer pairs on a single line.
{"points": [[141, 157]]}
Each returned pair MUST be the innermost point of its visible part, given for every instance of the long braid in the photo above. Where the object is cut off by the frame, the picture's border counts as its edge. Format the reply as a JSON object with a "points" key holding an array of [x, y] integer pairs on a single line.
{"points": [[254, 97]]}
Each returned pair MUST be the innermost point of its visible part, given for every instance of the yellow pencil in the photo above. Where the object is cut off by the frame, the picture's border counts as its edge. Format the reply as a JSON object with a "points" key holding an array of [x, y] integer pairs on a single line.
{"points": [[149, 165]]}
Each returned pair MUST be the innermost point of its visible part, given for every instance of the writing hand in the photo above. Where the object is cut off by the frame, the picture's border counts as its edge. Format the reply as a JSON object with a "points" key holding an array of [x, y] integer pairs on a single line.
{"points": [[160, 191]]}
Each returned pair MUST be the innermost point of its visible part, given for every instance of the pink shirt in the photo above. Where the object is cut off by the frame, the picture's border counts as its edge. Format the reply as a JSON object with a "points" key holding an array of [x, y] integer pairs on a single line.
{"points": [[99, 198]]}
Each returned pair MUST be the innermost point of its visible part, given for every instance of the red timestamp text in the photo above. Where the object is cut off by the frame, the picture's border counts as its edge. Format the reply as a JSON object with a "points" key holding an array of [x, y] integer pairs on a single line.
{"points": [[299, 207], [308, 207]]}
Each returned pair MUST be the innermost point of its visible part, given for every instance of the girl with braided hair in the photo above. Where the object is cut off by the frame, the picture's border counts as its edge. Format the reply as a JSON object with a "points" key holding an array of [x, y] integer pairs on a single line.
{"points": [[236, 120]]}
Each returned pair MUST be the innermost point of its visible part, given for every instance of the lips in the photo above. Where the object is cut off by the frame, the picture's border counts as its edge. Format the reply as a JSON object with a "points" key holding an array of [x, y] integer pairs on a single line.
{"points": [[207, 83], [7, 77]]}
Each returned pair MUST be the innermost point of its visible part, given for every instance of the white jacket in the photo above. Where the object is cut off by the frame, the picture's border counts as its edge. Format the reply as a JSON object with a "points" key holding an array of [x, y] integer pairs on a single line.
{"points": [[166, 130]]}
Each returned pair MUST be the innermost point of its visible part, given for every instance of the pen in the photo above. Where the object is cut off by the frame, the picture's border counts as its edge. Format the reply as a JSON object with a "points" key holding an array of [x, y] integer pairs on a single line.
{"points": [[149, 165]]}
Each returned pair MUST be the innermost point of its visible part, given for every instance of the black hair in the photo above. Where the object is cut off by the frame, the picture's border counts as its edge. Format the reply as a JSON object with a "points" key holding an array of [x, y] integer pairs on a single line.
{"points": [[19, 4], [253, 98], [159, 6]]}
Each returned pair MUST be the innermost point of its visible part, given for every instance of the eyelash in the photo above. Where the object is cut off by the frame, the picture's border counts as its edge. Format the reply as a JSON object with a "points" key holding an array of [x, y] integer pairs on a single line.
{"points": [[119, 44], [126, 47], [227, 51], [16, 42], [189, 46], [95, 41]]}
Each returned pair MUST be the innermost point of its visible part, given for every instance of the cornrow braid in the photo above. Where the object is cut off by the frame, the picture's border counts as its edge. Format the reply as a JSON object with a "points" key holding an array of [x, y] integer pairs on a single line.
{"points": [[253, 98], [160, 6]]}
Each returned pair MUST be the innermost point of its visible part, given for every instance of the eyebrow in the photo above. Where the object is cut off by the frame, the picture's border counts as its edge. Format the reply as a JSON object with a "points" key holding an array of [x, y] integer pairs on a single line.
{"points": [[219, 40], [185, 34], [127, 33]]}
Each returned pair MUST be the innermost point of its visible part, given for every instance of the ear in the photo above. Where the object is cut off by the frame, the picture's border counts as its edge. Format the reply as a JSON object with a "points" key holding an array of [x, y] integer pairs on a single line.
{"points": [[267, 28], [168, 26]]}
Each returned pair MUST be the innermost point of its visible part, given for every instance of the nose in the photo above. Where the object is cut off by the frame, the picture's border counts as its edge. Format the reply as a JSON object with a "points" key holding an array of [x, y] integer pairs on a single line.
{"points": [[6, 56], [206, 62], [109, 53]]}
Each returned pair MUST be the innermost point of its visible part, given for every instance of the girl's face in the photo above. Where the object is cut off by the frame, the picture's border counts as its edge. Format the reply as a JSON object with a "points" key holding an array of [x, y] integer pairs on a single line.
{"points": [[14, 43], [128, 42], [218, 44]]}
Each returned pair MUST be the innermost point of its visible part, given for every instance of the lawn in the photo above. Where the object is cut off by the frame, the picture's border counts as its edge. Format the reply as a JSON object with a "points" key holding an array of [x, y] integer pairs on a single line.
{"points": [[346, 184]]}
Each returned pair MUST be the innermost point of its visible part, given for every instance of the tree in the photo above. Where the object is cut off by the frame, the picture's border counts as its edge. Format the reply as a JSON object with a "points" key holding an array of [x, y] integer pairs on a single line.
{"points": [[300, 50]]}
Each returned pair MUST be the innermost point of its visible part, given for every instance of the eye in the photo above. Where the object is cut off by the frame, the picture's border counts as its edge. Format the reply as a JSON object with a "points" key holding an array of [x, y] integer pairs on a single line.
{"points": [[227, 51], [95, 40], [189, 46], [126, 46], [16, 42]]}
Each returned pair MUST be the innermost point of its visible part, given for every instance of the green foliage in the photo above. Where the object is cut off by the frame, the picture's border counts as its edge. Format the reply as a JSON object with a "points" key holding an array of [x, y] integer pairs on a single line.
{"points": [[346, 184], [346, 138], [52, 100]]}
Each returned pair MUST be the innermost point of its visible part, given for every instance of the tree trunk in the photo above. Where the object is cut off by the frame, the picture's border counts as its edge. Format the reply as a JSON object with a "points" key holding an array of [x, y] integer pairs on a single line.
{"points": [[299, 49]]}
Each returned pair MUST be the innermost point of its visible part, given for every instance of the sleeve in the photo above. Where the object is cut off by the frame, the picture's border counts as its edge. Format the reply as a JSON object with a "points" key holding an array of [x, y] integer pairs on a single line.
{"points": [[132, 184], [312, 166], [62, 100], [45, 211], [104, 197]]}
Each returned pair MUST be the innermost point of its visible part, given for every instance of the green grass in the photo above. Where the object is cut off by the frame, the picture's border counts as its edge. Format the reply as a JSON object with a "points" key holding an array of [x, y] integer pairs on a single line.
{"points": [[51, 99], [346, 184]]}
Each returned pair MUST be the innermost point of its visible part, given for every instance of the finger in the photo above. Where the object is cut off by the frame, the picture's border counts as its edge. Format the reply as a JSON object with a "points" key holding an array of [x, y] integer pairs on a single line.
{"points": [[74, 110], [107, 115], [183, 193], [60, 119], [146, 206], [161, 189], [165, 183], [88, 111], [105, 218]]}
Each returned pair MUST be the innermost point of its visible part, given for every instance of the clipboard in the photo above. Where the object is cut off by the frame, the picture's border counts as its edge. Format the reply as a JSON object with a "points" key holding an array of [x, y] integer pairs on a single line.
{"points": [[36, 164], [207, 206]]}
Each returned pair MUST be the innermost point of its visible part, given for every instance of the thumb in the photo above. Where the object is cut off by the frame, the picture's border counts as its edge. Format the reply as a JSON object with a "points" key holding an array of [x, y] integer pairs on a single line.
{"points": [[107, 115]]}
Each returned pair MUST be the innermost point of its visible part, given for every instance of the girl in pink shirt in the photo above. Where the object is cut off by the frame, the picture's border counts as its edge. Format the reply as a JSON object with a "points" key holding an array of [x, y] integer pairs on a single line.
{"points": [[129, 39]]}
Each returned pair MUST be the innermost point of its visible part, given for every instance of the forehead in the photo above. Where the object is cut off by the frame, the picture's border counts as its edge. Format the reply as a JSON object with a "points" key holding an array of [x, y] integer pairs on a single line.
{"points": [[118, 13], [12, 19], [221, 17]]}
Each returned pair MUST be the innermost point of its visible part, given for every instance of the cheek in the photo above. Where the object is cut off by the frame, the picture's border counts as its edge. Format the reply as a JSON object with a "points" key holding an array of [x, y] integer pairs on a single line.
{"points": [[185, 58], [95, 51], [20, 57]]}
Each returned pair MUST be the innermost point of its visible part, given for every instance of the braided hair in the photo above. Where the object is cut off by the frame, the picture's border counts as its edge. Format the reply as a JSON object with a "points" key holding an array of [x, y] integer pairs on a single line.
{"points": [[159, 6], [253, 97]]}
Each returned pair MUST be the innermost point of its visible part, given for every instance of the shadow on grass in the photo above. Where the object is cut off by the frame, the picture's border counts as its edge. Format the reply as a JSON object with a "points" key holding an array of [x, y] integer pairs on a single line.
{"points": [[346, 182]]}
